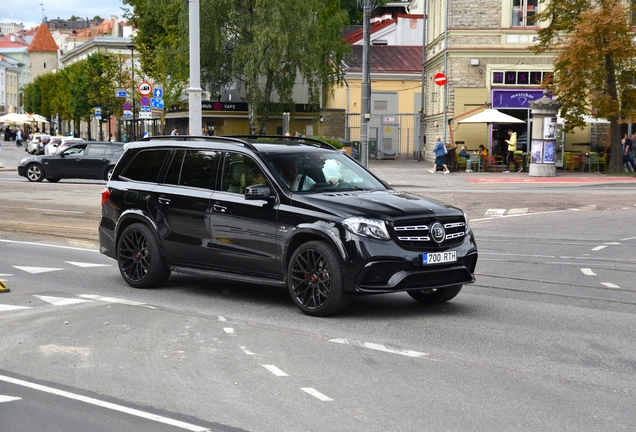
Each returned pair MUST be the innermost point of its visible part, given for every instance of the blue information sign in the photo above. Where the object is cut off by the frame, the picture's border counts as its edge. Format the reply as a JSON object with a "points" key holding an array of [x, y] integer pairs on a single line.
{"points": [[156, 103], [158, 93], [120, 94]]}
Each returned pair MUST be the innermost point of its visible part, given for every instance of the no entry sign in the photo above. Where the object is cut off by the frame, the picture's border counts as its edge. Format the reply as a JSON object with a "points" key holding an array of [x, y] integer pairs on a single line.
{"points": [[440, 79]]}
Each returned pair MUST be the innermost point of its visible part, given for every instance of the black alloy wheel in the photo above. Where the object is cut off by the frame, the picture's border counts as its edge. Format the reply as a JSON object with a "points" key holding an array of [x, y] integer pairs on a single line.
{"points": [[140, 261], [436, 295], [315, 280], [34, 173]]}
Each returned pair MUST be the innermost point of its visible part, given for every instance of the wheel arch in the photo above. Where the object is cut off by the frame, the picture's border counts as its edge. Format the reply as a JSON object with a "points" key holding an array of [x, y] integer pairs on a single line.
{"points": [[305, 233], [137, 216]]}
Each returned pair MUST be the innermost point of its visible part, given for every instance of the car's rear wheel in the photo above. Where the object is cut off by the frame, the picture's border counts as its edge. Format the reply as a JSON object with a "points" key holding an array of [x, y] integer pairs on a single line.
{"points": [[140, 262], [109, 173], [34, 173], [315, 280], [436, 295], [52, 180]]}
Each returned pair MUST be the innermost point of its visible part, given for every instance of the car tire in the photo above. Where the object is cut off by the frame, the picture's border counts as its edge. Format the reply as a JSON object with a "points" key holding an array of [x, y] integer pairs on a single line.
{"points": [[52, 180], [436, 295], [109, 173], [34, 173], [315, 280], [139, 259]]}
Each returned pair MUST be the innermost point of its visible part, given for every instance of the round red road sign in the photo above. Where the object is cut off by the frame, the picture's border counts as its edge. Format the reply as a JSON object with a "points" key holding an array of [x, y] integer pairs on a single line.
{"points": [[440, 79]]}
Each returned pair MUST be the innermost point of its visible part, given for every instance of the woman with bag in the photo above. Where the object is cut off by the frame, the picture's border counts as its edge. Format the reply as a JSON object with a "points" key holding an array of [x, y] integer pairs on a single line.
{"points": [[440, 155]]}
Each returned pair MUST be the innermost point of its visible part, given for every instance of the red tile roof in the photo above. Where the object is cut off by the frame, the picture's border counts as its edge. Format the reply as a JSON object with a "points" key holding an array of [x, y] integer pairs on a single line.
{"points": [[387, 59], [17, 42], [43, 41], [105, 28], [375, 26]]}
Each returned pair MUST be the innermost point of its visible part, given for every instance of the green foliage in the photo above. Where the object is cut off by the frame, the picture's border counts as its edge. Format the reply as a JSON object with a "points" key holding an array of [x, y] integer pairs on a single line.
{"points": [[594, 68], [263, 46], [334, 142]]}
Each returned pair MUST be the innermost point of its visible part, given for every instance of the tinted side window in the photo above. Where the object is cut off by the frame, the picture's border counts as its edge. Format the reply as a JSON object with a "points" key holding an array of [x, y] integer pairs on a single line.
{"points": [[199, 169], [240, 171], [146, 166], [174, 169], [97, 149]]}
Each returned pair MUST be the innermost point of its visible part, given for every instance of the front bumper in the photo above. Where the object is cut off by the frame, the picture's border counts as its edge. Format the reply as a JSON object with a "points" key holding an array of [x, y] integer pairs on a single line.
{"points": [[384, 267]]}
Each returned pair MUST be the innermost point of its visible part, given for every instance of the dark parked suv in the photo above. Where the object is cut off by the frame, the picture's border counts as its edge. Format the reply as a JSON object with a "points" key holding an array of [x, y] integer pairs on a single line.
{"points": [[279, 211]]}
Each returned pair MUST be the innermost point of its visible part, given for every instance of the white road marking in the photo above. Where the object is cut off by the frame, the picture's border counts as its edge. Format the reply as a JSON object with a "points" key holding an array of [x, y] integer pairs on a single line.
{"points": [[49, 245], [11, 307], [115, 300], [517, 211], [612, 243], [104, 404], [85, 265], [5, 274], [246, 351], [273, 369], [598, 248], [588, 272], [222, 319], [229, 330], [8, 398], [60, 301], [37, 270], [495, 212], [609, 285], [315, 393], [378, 347]]}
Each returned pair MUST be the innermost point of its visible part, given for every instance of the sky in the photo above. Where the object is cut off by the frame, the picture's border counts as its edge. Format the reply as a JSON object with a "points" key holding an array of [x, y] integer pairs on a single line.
{"points": [[29, 12]]}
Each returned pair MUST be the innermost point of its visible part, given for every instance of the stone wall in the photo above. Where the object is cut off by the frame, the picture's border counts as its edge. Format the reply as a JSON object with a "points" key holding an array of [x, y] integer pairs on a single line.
{"points": [[475, 14], [333, 123]]}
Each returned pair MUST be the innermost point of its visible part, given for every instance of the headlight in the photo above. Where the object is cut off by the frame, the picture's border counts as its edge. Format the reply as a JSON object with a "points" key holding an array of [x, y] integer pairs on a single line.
{"points": [[373, 228], [466, 219]]}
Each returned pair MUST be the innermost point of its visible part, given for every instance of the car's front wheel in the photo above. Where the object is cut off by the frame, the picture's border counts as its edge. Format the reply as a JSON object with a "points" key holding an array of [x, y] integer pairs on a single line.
{"points": [[315, 280], [34, 173], [436, 295], [140, 261]]}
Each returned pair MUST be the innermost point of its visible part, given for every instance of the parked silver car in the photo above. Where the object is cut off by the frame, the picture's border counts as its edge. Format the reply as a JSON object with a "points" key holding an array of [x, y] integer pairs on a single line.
{"points": [[35, 145]]}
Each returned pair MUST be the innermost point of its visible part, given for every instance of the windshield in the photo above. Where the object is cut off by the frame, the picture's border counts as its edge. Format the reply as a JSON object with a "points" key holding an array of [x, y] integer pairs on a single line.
{"points": [[321, 171]]}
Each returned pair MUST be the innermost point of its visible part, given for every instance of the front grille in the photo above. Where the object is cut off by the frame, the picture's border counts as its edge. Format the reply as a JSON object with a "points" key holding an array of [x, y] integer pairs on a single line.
{"points": [[396, 276], [415, 233]]}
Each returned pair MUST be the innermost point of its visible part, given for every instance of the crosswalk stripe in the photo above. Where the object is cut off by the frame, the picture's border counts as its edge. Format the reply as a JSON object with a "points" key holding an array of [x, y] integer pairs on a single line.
{"points": [[60, 301], [36, 270]]}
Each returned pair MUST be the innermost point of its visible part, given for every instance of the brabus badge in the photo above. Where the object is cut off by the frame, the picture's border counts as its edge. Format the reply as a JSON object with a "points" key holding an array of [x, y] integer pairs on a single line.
{"points": [[438, 232]]}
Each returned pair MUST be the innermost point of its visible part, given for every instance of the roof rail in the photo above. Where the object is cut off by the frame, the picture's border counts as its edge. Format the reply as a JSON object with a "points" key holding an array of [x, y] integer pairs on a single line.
{"points": [[200, 138], [304, 140]]}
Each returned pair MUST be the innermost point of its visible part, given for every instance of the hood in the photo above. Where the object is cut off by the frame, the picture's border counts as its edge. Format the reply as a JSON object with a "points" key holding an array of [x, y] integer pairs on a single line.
{"points": [[385, 205]]}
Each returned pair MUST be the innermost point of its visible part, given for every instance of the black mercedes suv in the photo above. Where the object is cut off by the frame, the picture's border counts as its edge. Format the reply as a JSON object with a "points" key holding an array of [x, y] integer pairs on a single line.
{"points": [[280, 211]]}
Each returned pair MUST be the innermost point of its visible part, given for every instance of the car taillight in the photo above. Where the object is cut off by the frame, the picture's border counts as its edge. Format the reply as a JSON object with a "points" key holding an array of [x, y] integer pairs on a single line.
{"points": [[105, 196]]}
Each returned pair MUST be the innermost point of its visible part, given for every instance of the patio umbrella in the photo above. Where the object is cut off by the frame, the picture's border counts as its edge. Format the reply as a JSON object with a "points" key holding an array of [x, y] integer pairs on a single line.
{"points": [[14, 118], [490, 116], [37, 118]]}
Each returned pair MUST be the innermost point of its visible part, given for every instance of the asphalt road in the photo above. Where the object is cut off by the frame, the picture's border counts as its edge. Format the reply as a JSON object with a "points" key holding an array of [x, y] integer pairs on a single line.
{"points": [[543, 341]]}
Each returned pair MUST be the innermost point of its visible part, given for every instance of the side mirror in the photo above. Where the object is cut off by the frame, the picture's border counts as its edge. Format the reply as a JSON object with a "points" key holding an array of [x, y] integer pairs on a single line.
{"points": [[258, 192]]}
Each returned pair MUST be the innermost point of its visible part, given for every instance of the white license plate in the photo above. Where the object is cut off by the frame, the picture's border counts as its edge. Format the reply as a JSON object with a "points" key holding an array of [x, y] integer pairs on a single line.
{"points": [[439, 257]]}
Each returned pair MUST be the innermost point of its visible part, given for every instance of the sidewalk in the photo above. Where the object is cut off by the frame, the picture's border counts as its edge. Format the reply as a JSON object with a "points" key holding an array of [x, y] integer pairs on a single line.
{"points": [[409, 173]]}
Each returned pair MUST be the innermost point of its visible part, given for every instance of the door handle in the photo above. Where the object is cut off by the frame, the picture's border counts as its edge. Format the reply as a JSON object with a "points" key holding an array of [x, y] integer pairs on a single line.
{"points": [[218, 208], [164, 200]]}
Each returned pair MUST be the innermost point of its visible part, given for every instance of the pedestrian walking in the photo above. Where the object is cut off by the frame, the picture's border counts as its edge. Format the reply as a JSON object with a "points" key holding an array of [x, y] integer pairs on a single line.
{"points": [[175, 131], [512, 147], [440, 155], [18, 137], [628, 158]]}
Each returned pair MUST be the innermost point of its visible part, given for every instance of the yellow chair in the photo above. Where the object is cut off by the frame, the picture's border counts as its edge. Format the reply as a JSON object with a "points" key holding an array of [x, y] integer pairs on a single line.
{"points": [[566, 160], [602, 162], [461, 163]]}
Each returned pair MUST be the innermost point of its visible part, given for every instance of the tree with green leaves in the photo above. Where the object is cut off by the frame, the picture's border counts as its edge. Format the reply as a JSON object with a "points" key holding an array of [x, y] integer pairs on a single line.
{"points": [[267, 47], [594, 67]]}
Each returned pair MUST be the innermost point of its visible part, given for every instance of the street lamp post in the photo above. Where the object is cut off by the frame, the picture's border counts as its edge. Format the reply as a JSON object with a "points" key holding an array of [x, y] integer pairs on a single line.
{"points": [[131, 47]]}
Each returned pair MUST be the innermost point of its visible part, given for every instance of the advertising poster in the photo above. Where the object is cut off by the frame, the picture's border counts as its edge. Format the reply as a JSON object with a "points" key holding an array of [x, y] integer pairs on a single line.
{"points": [[536, 151], [549, 128], [548, 152]]}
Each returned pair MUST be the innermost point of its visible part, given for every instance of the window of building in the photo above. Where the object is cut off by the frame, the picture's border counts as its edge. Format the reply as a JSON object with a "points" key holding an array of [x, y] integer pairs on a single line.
{"points": [[519, 78], [523, 12]]}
